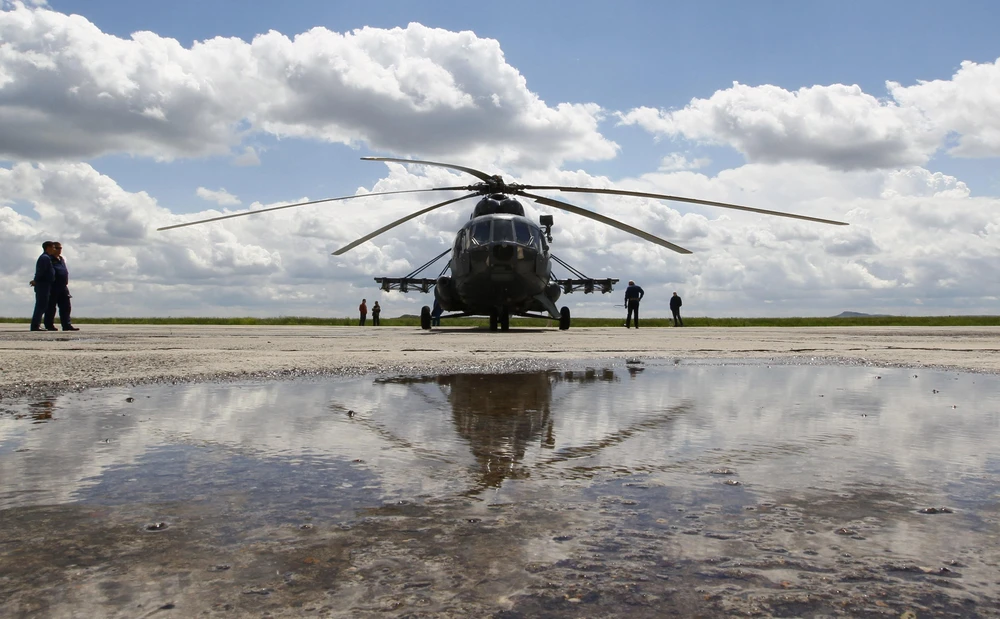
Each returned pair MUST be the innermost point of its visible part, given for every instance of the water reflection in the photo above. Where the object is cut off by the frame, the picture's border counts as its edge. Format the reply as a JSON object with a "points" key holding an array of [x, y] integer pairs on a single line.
{"points": [[745, 484], [500, 416], [778, 428]]}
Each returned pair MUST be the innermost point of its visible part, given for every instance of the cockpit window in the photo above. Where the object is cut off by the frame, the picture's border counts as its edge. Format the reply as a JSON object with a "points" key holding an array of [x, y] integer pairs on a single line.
{"points": [[503, 231], [480, 233], [522, 232]]}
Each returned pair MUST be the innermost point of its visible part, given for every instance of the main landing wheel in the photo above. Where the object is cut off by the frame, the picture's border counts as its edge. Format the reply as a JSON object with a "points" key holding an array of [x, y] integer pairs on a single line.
{"points": [[425, 318], [504, 320], [564, 319], [494, 319]]}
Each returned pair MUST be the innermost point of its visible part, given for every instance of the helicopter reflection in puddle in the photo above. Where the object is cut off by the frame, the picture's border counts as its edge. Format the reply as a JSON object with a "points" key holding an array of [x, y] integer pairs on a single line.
{"points": [[507, 419]]}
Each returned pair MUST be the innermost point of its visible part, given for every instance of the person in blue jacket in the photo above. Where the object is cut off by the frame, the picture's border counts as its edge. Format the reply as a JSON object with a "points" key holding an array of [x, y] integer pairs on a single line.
{"points": [[59, 296], [45, 275], [633, 294]]}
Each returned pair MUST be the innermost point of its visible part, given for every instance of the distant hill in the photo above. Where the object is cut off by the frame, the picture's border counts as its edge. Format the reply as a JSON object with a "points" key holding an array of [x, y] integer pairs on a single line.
{"points": [[855, 315]]}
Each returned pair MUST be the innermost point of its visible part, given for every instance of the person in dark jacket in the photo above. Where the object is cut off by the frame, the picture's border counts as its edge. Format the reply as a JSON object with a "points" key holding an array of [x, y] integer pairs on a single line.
{"points": [[376, 310], [633, 294], [675, 309], [45, 274], [59, 296], [436, 313]]}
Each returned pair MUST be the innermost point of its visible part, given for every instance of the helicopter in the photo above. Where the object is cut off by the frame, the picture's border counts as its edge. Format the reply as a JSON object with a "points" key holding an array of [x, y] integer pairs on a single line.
{"points": [[501, 261]]}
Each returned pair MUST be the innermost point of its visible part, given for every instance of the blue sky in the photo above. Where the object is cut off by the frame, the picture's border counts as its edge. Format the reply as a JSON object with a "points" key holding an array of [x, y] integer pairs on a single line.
{"points": [[642, 65], [620, 55]]}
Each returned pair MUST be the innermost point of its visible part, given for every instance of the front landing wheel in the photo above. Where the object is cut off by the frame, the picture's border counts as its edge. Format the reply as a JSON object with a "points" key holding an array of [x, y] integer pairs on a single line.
{"points": [[425, 318], [564, 319]]}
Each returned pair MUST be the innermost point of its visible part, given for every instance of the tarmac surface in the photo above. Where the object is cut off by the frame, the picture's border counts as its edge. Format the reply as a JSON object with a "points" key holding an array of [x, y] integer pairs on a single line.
{"points": [[109, 355], [194, 499]]}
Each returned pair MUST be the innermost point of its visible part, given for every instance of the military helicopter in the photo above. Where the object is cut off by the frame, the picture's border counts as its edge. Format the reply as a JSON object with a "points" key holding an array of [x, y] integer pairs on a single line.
{"points": [[501, 263]]}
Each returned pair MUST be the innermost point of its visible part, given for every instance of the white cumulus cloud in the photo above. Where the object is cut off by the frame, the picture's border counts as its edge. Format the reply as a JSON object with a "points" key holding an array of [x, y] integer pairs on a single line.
{"points": [[966, 105], [841, 126], [70, 91], [219, 196], [837, 126]]}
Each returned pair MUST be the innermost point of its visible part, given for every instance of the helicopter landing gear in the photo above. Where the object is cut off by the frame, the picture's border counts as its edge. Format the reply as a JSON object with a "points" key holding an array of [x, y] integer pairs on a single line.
{"points": [[564, 318], [494, 319], [425, 318]]}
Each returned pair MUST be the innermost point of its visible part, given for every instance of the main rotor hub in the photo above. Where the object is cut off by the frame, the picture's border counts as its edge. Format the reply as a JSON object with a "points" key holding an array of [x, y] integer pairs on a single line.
{"points": [[495, 185]]}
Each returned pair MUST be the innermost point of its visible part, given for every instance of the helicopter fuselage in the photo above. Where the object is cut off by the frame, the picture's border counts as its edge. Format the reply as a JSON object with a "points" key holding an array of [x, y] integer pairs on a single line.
{"points": [[499, 265]]}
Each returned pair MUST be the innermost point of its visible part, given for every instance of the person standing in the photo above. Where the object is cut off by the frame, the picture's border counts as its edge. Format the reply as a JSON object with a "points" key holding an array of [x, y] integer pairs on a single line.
{"points": [[59, 296], [376, 310], [436, 313], [633, 294], [363, 308], [675, 309], [45, 274]]}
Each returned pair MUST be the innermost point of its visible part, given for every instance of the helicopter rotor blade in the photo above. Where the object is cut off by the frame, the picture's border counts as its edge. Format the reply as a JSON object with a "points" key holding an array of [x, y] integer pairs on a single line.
{"points": [[278, 208], [388, 227], [643, 194], [483, 176], [614, 223]]}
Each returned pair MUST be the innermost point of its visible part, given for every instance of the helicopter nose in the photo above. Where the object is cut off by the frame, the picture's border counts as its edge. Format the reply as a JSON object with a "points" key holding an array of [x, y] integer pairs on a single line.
{"points": [[503, 253]]}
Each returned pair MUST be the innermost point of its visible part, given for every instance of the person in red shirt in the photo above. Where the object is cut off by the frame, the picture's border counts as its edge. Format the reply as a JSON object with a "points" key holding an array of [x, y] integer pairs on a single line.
{"points": [[363, 308]]}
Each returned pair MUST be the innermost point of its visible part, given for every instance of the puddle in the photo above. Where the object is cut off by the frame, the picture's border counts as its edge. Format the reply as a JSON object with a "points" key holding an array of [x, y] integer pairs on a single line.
{"points": [[625, 487]]}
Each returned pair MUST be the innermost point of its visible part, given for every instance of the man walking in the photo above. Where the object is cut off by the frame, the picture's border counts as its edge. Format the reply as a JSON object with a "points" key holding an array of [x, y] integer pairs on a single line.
{"points": [[59, 295], [675, 309], [363, 308], [633, 294], [45, 274]]}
